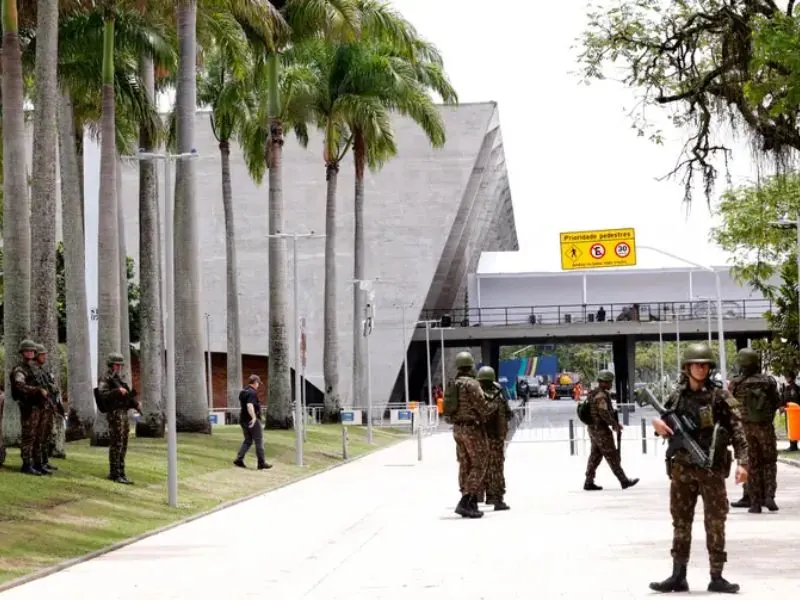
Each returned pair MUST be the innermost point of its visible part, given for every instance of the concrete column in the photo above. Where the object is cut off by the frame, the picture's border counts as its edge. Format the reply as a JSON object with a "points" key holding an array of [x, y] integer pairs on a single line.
{"points": [[490, 355], [630, 348], [619, 355], [741, 342]]}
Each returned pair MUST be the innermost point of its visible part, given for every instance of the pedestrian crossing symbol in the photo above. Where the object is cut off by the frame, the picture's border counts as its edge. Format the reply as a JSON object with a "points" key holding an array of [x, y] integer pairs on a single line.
{"points": [[572, 253]]}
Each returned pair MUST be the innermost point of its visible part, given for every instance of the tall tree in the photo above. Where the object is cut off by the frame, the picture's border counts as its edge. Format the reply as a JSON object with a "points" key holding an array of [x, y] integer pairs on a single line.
{"points": [[189, 358], [80, 421], [716, 65], [43, 190], [109, 332], [16, 211], [124, 315]]}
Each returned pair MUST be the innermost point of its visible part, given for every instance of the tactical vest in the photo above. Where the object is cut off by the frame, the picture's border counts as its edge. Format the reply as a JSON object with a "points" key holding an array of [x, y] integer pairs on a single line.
{"points": [[17, 394], [752, 393], [496, 426], [698, 409]]}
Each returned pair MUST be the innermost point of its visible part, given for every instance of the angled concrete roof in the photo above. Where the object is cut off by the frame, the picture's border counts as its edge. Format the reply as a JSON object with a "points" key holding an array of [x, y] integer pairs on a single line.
{"points": [[428, 215]]}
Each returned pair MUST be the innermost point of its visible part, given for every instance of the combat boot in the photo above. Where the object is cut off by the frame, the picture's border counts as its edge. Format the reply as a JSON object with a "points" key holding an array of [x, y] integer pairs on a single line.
{"points": [[743, 502], [770, 504], [719, 584], [755, 509], [499, 504], [29, 470], [674, 583], [123, 480], [590, 486], [240, 463], [42, 470], [480, 498], [629, 483], [465, 508]]}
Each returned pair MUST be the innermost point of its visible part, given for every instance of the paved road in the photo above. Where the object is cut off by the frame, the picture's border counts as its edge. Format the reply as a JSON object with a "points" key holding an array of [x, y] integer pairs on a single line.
{"points": [[383, 528]]}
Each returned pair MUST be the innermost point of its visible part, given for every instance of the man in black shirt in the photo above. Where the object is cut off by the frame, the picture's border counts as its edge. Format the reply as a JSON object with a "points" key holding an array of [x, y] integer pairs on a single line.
{"points": [[250, 421]]}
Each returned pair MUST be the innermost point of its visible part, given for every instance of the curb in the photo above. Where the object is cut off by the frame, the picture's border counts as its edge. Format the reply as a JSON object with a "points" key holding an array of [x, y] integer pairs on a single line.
{"points": [[143, 536], [794, 462]]}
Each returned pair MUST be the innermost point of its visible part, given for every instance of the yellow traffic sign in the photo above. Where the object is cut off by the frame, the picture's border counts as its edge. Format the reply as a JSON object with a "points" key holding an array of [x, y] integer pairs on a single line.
{"points": [[598, 249]]}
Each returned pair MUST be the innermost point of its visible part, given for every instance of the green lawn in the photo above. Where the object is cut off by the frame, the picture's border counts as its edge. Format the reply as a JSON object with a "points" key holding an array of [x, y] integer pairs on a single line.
{"points": [[47, 520]]}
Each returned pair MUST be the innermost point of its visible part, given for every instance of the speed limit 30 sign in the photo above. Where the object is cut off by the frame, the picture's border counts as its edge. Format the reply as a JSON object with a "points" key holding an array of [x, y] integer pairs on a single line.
{"points": [[622, 249]]}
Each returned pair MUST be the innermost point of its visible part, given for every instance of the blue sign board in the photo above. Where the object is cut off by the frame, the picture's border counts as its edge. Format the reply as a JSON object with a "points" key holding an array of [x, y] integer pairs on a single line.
{"points": [[404, 415], [213, 419], [348, 416]]}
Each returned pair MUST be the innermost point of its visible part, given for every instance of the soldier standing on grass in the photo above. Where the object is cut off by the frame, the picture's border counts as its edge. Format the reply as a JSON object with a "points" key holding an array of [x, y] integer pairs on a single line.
{"points": [[758, 399], [714, 412], [119, 398], [602, 422], [51, 406], [496, 432], [31, 399]]}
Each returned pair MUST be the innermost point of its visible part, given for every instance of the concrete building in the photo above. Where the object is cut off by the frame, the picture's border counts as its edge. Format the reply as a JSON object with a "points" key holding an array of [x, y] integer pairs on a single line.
{"points": [[429, 215]]}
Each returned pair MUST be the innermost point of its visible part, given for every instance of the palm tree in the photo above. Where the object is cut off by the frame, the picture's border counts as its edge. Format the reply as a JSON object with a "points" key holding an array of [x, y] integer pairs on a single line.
{"points": [[16, 209], [43, 191], [223, 87], [336, 19], [390, 76]]}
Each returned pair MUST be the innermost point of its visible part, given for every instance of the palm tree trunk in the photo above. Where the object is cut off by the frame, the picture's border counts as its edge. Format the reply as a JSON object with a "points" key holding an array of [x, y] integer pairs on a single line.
{"points": [[278, 375], [359, 359], [79, 372], [43, 192], [108, 336], [151, 328], [330, 350], [16, 211], [124, 315], [234, 359], [190, 395]]}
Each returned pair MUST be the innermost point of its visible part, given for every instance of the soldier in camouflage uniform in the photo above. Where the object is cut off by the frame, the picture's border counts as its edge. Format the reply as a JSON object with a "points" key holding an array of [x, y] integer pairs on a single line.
{"points": [[758, 398], [119, 398], [470, 436], [31, 398], [603, 421], [496, 432], [790, 393], [717, 420], [51, 407]]}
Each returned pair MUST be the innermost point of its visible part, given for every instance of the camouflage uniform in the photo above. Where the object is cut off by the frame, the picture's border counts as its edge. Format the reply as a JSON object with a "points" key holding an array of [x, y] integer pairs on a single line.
{"points": [[496, 432], [117, 414], [708, 407], [758, 399], [470, 437], [48, 414], [31, 399], [603, 421]]}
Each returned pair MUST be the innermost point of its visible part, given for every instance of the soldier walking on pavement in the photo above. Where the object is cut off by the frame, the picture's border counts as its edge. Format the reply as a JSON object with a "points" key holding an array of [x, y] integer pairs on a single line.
{"points": [[718, 423], [496, 432], [602, 422], [31, 398], [757, 396], [119, 398], [468, 418], [51, 406]]}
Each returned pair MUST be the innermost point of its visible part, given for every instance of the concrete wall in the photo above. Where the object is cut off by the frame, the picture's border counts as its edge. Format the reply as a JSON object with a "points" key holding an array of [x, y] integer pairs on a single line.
{"points": [[411, 206]]}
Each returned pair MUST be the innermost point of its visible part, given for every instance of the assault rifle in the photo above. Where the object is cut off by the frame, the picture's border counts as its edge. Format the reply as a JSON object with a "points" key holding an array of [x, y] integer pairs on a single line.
{"points": [[681, 427], [42, 379], [119, 383]]}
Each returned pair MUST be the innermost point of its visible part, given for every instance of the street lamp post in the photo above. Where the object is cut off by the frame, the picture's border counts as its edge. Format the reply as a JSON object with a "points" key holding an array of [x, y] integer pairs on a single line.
{"points": [[298, 403], [169, 239], [720, 326], [405, 350], [209, 387]]}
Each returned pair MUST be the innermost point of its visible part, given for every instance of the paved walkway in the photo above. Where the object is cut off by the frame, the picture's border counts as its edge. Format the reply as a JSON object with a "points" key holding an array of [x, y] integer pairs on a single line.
{"points": [[384, 528]]}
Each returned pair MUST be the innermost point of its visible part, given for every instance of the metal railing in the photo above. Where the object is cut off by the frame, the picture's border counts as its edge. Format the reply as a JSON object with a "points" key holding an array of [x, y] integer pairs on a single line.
{"points": [[313, 415], [597, 313], [396, 415]]}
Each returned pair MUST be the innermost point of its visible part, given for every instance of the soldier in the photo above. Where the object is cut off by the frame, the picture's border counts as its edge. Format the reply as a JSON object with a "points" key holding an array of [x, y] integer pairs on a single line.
{"points": [[496, 431], [790, 393], [717, 419], [119, 398], [51, 406], [31, 398], [757, 395], [468, 418], [602, 422]]}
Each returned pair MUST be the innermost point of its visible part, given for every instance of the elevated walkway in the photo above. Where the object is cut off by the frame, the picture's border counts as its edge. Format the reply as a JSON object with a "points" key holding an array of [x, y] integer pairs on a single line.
{"points": [[383, 528]]}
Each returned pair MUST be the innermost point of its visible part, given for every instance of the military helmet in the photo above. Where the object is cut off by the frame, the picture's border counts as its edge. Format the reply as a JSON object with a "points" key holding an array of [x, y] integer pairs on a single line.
{"points": [[748, 359], [115, 358], [699, 354], [40, 349], [27, 344], [605, 375], [464, 360], [486, 374]]}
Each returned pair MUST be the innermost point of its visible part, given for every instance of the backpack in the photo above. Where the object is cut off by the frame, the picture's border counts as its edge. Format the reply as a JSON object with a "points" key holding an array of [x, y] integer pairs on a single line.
{"points": [[585, 410], [450, 407], [100, 400]]}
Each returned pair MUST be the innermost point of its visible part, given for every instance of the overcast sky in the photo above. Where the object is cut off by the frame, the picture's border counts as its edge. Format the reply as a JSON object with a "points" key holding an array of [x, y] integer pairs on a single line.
{"points": [[574, 162]]}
